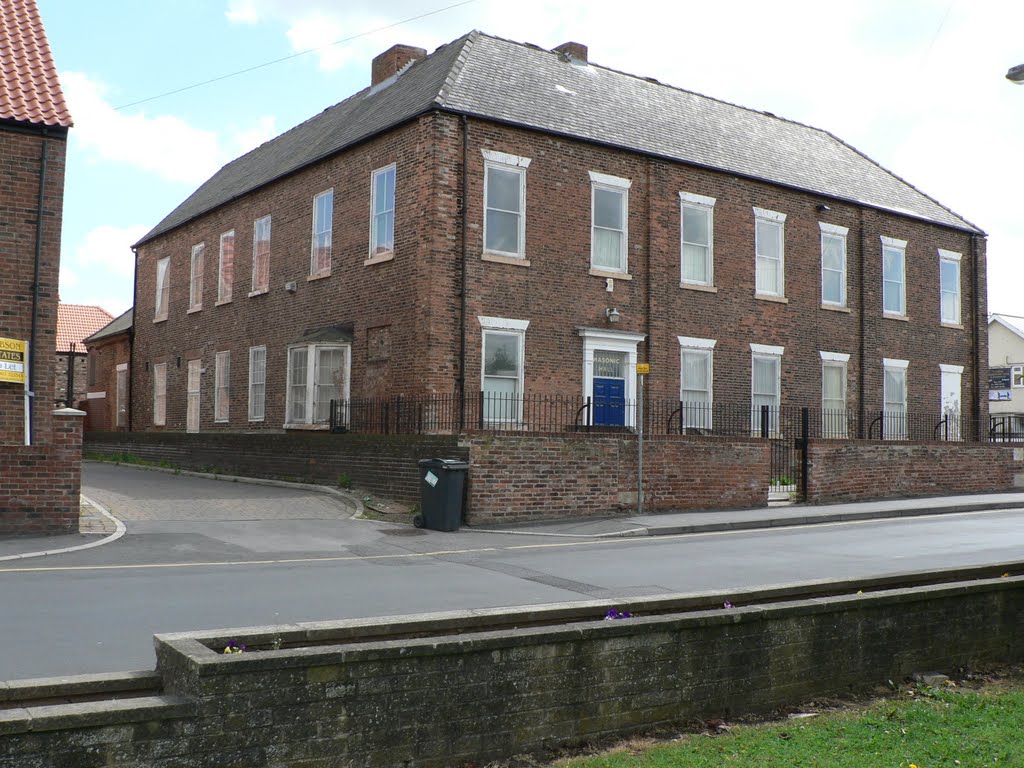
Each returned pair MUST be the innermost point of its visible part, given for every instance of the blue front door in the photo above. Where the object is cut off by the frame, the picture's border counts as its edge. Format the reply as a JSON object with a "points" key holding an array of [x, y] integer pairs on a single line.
{"points": [[609, 402]]}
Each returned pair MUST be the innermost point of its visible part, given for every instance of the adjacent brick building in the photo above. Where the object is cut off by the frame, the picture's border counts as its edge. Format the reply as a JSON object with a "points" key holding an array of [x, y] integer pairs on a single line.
{"points": [[107, 380], [39, 449], [497, 217], [75, 322]]}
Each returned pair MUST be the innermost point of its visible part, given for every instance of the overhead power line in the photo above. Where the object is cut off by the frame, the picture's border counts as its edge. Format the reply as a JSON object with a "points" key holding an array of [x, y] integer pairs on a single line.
{"points": [[292, 56]]}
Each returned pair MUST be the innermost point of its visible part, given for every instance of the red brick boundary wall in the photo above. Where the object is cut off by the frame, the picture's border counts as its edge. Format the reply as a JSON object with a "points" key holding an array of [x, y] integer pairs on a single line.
{"points": [[855, 471], [533, 477], [40, 485], [383, 464]]}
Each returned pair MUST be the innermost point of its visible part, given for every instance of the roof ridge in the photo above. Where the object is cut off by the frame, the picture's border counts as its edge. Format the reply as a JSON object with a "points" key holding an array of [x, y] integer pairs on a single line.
{"points": [[468, 41]]}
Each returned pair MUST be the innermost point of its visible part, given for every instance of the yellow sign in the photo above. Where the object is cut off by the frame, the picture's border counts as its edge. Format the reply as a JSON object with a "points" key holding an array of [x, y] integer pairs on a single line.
{"points": [[12, 360], [643, 368]]}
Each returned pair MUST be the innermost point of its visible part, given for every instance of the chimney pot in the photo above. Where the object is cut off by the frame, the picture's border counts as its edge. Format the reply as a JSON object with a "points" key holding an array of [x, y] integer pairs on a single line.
{"points": [[392, 60], [575, 51]]}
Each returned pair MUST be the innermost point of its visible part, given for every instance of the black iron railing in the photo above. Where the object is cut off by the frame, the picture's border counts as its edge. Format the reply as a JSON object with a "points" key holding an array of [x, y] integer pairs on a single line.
{"points": [[449, 413]]}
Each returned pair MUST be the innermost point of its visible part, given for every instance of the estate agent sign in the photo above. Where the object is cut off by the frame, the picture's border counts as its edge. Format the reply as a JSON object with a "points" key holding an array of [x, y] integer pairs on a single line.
{"points": [[12, 360]]}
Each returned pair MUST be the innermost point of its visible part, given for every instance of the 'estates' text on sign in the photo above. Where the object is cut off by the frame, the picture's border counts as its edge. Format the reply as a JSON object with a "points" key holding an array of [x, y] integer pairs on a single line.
{"points": [[12, 360]]}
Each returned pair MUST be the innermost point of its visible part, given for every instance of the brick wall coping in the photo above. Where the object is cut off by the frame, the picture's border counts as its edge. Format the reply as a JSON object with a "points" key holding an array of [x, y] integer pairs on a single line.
{"points": [[64, 412]]}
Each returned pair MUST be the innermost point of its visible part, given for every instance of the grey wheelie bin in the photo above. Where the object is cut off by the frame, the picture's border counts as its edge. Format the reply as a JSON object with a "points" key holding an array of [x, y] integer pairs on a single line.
{"points": [[441, 485]]}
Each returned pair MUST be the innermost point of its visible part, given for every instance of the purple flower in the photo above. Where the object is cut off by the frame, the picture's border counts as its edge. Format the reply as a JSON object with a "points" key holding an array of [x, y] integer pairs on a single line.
{"points": [[614, 613], [727, 604]]}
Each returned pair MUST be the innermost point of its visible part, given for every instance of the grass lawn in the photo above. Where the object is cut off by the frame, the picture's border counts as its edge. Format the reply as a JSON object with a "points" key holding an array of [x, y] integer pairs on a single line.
{"points": [[969, 726]]}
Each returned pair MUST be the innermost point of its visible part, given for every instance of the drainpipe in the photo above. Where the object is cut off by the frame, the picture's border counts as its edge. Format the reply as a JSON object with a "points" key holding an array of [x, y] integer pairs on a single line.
{"points": [[465, 245], [982, 429], [650, 258], [131, 337], [861, 412], [35, 291]]}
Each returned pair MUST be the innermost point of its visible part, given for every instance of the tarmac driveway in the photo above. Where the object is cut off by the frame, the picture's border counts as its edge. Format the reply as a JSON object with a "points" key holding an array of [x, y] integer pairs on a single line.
{"points": [[142, 495]]}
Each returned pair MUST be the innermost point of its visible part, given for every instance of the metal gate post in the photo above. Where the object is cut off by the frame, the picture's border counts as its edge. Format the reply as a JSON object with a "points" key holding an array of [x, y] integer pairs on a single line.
{"points": [[803, 443]]}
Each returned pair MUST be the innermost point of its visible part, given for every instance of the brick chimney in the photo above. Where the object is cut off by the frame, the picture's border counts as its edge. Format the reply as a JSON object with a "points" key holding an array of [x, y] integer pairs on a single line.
{"points": [[392, 60], [576, 52]]}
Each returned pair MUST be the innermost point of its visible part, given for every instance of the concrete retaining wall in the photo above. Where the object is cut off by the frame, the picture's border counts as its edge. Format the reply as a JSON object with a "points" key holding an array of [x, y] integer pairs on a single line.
{"points": [[451, 689]]}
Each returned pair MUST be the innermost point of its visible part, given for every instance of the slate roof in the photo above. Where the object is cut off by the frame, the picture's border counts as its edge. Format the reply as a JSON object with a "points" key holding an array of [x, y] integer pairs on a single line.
{"points": [[76, 321], [118, 325], [29, 91], [488, 77]]}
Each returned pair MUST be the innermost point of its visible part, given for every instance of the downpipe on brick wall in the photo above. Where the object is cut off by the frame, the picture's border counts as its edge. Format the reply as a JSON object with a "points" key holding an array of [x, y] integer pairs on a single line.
{"points": [[462, 287], [30, 426]]}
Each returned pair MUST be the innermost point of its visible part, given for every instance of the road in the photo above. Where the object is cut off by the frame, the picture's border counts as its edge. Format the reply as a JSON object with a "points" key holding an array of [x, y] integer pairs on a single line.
{"points": [[204, 554]]}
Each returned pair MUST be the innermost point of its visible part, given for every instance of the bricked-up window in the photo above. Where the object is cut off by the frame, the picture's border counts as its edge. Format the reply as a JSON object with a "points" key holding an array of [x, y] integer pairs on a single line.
{"points": [[505, 203], [222, 386], [609, 222], [833, 264], [770, 253], [323, 216], [163, 288], [257, 382], [695, 381], [317, 374], [195, 283], [159, 394], [833, 394], [765, 386], [697, 236], [261, 256], [226, 268], [122, 395], [894, 279], [949, 287], [382, 212], [894, 398], [195, 372], [501, 372]]}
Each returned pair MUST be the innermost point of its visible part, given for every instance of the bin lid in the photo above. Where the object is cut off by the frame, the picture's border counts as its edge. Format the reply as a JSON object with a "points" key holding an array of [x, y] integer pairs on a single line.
{"points": [[446, 464]]}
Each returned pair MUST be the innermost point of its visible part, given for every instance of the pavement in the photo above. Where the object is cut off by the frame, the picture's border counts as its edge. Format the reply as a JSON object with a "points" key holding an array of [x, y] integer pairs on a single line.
{"points": [[105, 513]]}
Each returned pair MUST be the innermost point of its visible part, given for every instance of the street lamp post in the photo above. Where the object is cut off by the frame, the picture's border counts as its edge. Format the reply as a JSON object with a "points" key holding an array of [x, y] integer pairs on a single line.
{"points": [[1016, 74]]}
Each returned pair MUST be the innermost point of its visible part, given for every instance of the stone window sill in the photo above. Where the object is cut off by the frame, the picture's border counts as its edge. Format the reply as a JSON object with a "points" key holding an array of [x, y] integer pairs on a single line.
{"points": [[379, 258], [837, 308], [699, 287], [767, 297], [497, 258], [606, 273]]}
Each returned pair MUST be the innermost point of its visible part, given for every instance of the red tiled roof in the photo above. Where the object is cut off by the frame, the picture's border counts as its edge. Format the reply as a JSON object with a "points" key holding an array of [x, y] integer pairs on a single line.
{"points": [[76, 321], [29, 89]]}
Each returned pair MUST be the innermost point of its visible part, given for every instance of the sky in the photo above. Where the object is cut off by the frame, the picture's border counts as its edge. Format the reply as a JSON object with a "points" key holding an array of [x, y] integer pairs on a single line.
{"points": [[917, 85]]}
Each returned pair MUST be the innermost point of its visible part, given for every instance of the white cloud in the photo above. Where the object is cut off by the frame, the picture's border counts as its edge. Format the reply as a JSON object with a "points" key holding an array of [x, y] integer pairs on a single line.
{"points": [[242, 12], [264, 129], [101, 269], [318, 29], [165, 145]]}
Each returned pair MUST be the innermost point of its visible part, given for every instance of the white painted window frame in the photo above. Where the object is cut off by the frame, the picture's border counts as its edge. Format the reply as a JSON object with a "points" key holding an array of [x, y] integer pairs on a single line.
{"points": [[256, 287], [834, 420], [778, 221], [899, 246], [257, 378], [604, 181], [706, 205], [706, 347], [195, 278], [226, 282], [833, 232], [193, 395], [163, 289], [503, 161], [774, 353], [950, 257], [892, 364], [121, 395], [948, 372], [222, 386], [312, 365], [320, 228], [507, 327], [159, 394], [376, 178]]}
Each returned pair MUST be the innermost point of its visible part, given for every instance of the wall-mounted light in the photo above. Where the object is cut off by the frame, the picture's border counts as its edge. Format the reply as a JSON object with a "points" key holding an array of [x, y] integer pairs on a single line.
{"points": [[822, 208], [1016, 74], [291, 286], [612, 314]]}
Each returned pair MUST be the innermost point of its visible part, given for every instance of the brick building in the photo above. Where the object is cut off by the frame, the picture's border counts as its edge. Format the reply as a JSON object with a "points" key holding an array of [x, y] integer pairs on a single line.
{"points": [[75, 322], [107, 380], [40, 449], [497, 217]]}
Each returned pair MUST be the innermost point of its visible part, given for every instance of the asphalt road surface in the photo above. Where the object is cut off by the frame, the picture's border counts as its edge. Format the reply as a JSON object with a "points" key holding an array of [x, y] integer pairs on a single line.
{"points": [[202, 554]]}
